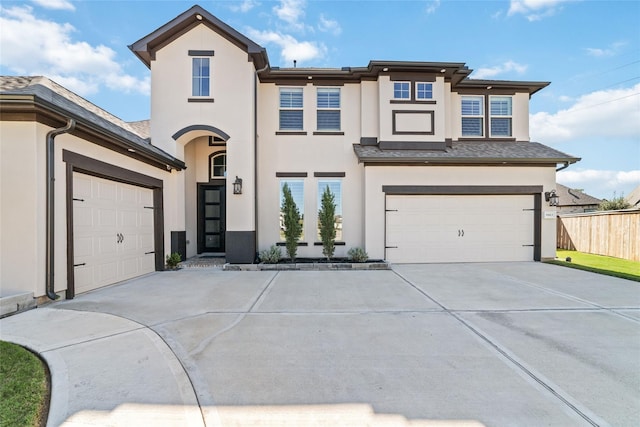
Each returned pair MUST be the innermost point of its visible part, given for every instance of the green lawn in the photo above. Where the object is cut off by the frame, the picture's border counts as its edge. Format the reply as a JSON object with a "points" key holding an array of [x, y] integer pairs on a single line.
{"points": [[24, 389], [599, 264]]}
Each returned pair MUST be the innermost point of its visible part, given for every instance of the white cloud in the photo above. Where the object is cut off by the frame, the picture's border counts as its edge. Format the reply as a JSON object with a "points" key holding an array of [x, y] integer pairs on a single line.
{"points": [[484, 73], [291, 12], [599, 183], [611, 50], [55, 4], [327, 25], [534, 10], [432, 6], [291, 49], [34, 46], [613, 113], [244, 6]]}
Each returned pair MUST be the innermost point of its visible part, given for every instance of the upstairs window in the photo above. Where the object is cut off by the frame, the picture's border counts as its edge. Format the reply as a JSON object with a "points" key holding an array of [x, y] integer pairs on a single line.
{"points": [[328, 113], [291, 109], [200, 80], [472, 116], [501, 116], [401, 90], [424, 90]]}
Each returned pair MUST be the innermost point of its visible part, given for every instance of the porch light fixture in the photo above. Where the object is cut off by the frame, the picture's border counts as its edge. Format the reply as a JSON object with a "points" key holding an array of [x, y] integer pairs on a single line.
{"points": [[237, 186], [551, 197]]}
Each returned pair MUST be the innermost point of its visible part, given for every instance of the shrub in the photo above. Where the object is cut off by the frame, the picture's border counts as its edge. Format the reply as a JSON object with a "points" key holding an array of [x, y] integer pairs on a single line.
{"points": [[327, 220], [292, 226], [358, 255], [271, 255], [616, 203], [173, 260]]}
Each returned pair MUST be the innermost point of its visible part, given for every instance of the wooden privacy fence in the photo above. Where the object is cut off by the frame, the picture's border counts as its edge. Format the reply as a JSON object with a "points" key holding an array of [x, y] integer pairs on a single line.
{"points": [[610, 233]]}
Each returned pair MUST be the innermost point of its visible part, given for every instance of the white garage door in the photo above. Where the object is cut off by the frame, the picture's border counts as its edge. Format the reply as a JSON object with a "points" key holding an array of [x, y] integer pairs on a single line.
{"points": [[112, 231], [459, 228]]}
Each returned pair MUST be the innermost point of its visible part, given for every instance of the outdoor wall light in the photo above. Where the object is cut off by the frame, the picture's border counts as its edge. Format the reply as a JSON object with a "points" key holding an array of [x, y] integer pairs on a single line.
{"points": [[551, 197], [237, 186]]}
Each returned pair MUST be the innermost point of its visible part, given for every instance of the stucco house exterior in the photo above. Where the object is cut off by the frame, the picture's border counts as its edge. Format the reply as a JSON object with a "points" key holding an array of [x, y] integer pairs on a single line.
{"points": [[427, 164]]}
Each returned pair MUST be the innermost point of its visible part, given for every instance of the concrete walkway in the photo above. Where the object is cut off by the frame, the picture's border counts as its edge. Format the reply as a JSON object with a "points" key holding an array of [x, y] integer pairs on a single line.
{"points": [[457, 344]]}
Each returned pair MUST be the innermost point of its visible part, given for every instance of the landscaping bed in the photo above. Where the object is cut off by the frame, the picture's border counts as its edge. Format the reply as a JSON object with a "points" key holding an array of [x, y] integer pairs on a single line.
{"points": [[312, 264]]}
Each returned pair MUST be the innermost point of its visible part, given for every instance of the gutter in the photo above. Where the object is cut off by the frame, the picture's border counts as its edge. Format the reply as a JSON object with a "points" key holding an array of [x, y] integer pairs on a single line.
{"points": [[50, 208], [255, 155], [566, 165]]}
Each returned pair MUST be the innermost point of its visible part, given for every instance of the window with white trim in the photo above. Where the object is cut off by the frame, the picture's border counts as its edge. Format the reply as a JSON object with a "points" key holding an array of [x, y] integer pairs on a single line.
{"points": [[401, 90], [296, 187], [500, 109], [472, 115], [328, 114], [424, 90], [335, 186], [200, 77], [218, 165], [291, 108]]}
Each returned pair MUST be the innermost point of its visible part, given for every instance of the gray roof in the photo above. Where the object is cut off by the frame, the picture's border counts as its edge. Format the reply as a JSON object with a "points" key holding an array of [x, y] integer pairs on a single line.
{"points": [[468, 152], [634, 197], [571, 197], [57, 97]]}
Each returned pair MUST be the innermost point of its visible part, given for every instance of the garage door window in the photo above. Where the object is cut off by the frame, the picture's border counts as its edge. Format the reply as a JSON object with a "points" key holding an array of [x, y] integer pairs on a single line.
{"points": [[335, 186], [296, 186]]}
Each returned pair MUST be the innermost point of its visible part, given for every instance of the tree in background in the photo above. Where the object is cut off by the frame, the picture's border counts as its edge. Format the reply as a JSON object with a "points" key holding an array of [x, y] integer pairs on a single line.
{"points": [[292, 226], [327, 220], [616, 203]]}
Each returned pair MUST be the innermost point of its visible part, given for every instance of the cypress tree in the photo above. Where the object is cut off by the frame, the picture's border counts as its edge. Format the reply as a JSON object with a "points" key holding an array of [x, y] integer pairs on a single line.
{"points": [[292, 226], [327, 220]]}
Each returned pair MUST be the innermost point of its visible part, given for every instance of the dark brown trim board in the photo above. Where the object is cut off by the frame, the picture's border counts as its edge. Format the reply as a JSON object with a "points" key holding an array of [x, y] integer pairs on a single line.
{"points": [[299, 133], [78, 163], [203, 100], [475, 190], [201, 53], [329, 174], [291, 174], [331, 133]]}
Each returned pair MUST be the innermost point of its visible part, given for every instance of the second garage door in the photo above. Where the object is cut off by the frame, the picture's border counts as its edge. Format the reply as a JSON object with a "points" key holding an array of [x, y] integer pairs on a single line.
{"points": [[113, 237], [459, 228]]}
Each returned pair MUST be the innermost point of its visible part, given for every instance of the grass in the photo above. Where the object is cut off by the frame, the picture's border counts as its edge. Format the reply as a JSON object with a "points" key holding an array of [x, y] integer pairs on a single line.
{"points": [[610, 266], [24, 387]]}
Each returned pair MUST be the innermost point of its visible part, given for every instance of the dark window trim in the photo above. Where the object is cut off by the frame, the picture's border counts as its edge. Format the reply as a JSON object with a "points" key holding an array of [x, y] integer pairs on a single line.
{"points": [[414, 102], [329, 133], [428, 112], [211, 156], [412, 79], [285, 244], [464, 190], [339, 243], [284, 132], [483, 138], [329, 174], [291, 174], [78, 163], [201, 53], [206, 100]]}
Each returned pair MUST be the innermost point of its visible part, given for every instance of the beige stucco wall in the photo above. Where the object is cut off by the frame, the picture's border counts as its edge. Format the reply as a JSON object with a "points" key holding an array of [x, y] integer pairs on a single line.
{"points": [[232, 89], [377, 176], [23, 186], [309, 153]]}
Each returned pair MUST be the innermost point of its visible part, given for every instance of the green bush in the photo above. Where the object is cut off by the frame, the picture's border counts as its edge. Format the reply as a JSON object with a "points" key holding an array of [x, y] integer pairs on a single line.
{"points": [[358, 255], [271, 255], [327, 220], [292, 226], [173, 260]]}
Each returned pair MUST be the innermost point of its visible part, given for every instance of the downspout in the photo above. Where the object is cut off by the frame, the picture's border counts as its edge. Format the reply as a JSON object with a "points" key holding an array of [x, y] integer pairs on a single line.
{"points": [[566, 165], [255, 153], [50, 257]]}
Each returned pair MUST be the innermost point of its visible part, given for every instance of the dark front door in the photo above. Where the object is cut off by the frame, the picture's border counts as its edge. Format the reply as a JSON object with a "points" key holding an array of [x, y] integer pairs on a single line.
{"points": [[211, 218]]}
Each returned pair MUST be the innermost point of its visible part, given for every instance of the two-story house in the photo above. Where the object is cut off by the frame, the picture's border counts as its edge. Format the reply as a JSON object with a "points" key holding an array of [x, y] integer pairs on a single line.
{"points": [[426, 164]]}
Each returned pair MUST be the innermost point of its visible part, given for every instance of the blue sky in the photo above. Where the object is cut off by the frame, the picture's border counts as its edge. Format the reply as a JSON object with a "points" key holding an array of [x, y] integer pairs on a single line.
{"points": [[588, 50]]}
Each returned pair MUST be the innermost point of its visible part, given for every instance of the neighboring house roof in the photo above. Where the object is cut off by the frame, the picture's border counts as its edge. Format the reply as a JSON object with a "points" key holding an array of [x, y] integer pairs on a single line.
{"points": [[146, 47], [634, 197], [468, 152], [571, 197], [129, 138]]}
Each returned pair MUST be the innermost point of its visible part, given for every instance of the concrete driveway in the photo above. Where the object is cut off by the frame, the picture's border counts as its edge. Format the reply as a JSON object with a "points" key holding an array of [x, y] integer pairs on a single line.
{"points": [[512, 344]]}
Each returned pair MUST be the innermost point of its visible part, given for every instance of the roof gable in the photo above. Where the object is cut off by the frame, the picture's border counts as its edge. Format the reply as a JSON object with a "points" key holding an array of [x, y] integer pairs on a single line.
{"points": [[146, 47]]}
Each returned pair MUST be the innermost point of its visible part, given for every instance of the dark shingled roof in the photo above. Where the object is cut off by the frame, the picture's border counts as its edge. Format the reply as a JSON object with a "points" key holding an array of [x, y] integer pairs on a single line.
{"points": [[570, 197], [135, 133], [468, 152]]}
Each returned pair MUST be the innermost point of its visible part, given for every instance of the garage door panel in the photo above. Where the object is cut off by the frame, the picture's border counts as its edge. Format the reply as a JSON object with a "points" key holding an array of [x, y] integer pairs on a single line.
{"points": [[459, 228], [113, 231]]}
